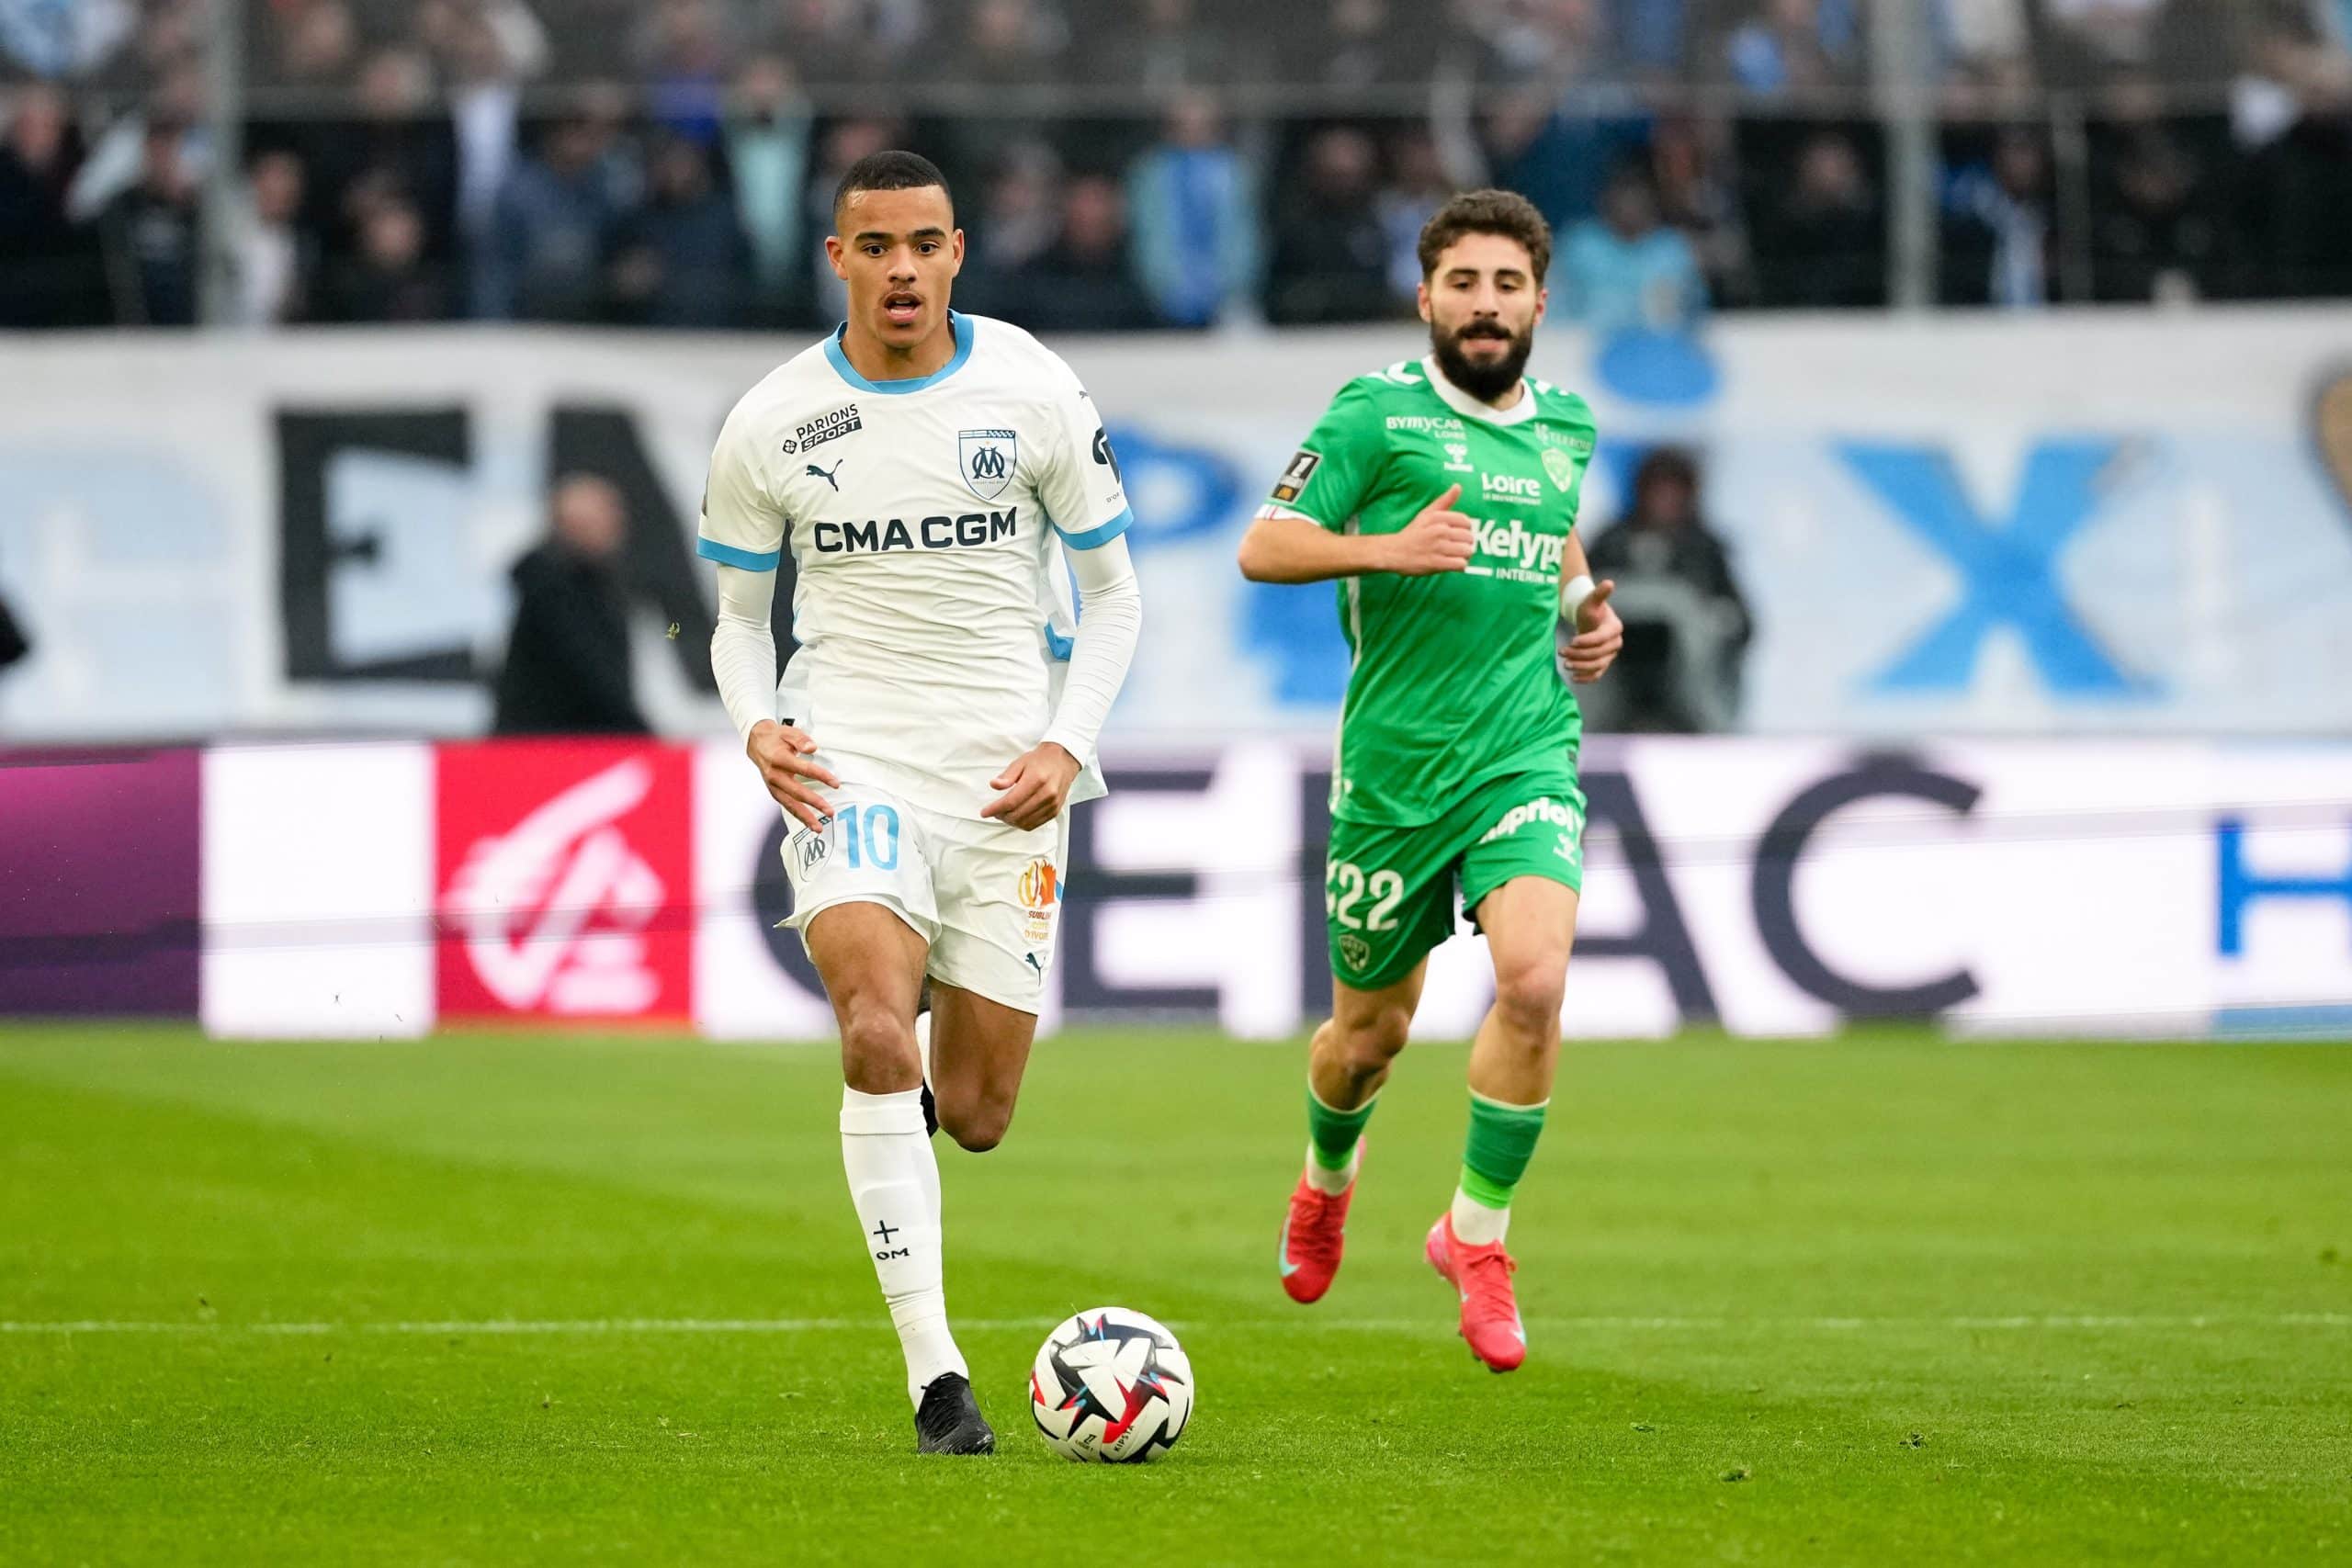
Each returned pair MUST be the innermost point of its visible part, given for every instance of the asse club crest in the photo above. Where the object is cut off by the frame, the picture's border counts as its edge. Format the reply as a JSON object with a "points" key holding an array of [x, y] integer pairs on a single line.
{"points": [[986, 458], [1560, 466]]}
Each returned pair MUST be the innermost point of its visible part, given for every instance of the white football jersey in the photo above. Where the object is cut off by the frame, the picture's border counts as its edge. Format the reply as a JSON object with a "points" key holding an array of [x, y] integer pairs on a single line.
{"points": [[926, 519]]}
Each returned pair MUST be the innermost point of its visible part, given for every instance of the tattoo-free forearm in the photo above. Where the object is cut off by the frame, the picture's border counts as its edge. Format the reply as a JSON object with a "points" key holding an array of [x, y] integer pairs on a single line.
{"points": [[1286, 548]]}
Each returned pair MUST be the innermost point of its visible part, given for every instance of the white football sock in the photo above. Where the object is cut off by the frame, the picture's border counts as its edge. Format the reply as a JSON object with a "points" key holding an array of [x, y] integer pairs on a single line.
{"points": [[1477, 1225], [894, 1180], [1333, 1181], [923, 1041]]}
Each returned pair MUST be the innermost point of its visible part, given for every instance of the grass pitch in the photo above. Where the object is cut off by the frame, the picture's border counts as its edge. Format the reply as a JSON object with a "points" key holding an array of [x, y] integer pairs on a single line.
{"points": [[498, 1299]]}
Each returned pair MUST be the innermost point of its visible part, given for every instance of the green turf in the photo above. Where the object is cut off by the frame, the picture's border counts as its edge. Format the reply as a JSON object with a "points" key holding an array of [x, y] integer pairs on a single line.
{"points": [[1774, 1295]]}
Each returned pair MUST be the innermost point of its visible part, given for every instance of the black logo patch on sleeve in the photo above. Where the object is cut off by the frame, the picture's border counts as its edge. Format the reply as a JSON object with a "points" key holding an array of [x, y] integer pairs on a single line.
{"points": [[1294, 481]]}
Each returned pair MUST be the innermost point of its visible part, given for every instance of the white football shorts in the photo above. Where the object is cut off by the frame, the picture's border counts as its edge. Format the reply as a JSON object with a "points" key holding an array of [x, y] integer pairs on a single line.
{"points": [[986, 896]]}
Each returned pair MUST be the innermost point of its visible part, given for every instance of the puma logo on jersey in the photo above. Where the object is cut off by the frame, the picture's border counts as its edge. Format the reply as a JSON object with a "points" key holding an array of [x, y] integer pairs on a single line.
{"points": [[827, 474]]}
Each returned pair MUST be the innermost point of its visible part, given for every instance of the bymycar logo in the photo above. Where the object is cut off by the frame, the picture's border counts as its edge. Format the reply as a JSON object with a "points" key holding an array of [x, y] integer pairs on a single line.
{"points": [[1512, 487], [1526, 556]]}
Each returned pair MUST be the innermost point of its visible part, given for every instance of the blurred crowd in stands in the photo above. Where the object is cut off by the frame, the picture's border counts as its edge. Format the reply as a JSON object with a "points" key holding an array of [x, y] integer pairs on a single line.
{"points": [[1135, 164]]}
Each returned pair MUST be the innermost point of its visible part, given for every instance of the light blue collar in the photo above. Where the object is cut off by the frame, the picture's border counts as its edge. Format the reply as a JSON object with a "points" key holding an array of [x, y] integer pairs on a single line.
{"points": [[959, 326]]}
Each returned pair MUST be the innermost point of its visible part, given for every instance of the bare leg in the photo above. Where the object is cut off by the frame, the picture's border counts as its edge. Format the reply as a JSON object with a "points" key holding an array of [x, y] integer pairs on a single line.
{"points": [[1531, 923], [871, 963], [1348, 1058], [979, 1050]]}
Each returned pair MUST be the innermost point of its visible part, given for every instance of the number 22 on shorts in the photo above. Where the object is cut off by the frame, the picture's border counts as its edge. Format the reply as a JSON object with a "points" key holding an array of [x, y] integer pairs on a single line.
{"points": [[1346, 887]]}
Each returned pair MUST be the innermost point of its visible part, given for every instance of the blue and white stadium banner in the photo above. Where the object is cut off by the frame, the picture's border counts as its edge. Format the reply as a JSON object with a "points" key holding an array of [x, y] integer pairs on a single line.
{"points": [[2097, 523], [2026, 889]]}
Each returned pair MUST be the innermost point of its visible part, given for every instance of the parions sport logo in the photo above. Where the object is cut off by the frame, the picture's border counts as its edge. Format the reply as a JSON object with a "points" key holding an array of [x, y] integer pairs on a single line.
{"points": [[1516, 552], [875, 536], [825, 427]]}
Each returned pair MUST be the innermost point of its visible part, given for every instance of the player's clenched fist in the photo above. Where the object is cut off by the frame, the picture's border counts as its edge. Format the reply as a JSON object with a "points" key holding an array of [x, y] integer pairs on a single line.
{"points": [[1438, 539], [782, 756]]}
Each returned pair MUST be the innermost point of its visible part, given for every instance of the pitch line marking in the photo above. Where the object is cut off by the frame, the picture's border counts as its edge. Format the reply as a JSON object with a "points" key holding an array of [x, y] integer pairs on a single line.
{"points": [[596, 1326]]}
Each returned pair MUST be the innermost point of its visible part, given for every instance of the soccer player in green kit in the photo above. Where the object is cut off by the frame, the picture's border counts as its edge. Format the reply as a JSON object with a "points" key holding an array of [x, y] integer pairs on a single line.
{"points": [[1441, 494]]}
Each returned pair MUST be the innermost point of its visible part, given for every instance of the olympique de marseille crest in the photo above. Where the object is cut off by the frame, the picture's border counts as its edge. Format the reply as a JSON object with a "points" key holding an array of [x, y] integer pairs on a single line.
{"points": [[986, 458]]}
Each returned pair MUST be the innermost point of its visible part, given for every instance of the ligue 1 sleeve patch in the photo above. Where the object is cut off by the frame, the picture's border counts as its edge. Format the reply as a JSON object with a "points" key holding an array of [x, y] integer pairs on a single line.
{"points": [[1294, 481]]}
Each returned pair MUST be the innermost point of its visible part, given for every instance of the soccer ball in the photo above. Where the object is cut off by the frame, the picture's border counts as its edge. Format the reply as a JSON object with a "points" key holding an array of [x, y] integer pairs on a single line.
{"points": [[1111, 1384]]}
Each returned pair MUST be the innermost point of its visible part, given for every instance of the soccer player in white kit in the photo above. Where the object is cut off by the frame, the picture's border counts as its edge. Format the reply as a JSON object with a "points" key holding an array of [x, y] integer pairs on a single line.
{"points": [[932, 473]]}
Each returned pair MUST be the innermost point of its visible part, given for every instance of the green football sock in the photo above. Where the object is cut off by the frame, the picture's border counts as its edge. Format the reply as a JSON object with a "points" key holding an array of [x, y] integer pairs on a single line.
{"points": [[1501, 1141], [1331, 1136]]}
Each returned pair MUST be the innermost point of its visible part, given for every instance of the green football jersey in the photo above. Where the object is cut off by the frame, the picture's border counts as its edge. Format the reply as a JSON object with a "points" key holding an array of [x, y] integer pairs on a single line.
{"points": [[1454, 682]]}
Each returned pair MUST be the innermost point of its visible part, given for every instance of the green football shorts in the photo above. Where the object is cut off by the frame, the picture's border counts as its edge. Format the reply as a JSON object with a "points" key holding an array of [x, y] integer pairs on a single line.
{"points": [[1389, 892]]}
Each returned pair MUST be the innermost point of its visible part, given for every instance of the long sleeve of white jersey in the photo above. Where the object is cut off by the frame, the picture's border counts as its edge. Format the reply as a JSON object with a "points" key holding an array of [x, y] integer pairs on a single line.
{"points": [[742, 530], [742, 646], [1084, 496], [1110, 620]]}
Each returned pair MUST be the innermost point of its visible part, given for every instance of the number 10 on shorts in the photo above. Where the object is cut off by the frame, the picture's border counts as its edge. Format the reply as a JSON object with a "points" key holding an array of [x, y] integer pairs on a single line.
{"points": [[1346, 886], [870, 836]]}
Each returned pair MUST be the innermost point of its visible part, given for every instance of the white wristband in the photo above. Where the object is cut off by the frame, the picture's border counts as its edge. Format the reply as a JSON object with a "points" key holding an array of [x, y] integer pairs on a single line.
{"points": [[1573, 596]]}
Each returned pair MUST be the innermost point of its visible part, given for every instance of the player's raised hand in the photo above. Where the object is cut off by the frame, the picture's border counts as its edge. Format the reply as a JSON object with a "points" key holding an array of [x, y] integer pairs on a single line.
{"points": [[782, 756], [1035, 787], [1599, 633], [1438, 539]]}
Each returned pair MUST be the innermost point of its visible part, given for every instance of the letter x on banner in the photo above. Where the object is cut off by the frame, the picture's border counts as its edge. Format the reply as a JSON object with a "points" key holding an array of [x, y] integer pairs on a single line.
{"points": [[2008, 567]]}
